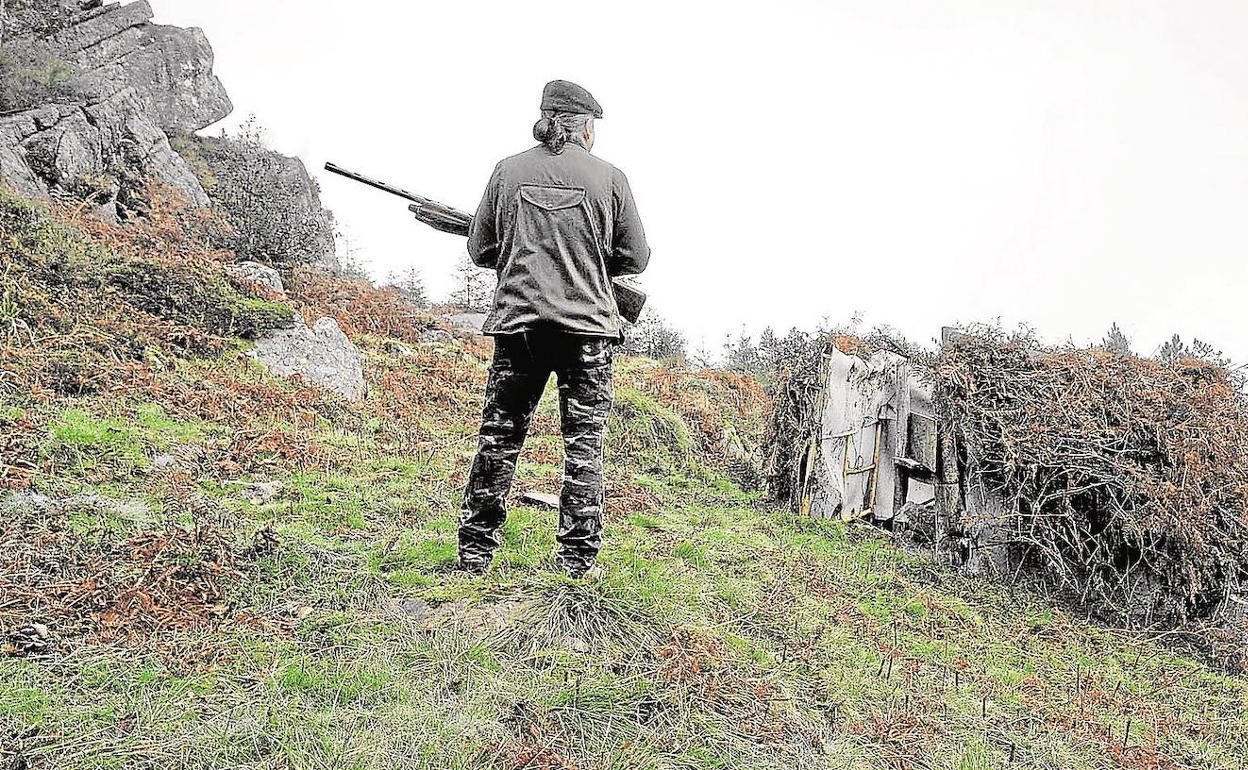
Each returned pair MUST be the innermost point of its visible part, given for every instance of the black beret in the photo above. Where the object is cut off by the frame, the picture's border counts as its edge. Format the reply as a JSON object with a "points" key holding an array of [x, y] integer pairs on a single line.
{"points": [[564, 96]]}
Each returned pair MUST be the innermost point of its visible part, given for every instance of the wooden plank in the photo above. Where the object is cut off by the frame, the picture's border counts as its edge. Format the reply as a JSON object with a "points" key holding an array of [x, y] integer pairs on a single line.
{"points": [[893, 412], [922, 444]]}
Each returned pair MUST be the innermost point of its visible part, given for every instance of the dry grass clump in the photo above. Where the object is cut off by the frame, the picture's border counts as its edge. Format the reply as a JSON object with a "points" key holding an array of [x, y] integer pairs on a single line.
{"points": [[358, 306], [1125, 480], [84, 304], [65, 573]]}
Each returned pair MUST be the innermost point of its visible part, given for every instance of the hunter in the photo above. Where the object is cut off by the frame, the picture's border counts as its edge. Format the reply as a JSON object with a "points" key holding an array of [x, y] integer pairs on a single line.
{"points": [[557, 224]]}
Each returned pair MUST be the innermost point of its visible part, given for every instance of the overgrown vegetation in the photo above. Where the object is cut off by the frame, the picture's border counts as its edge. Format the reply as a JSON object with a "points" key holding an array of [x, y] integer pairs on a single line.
{"points": [[1125, 480], [271, 203], [87, 305]]}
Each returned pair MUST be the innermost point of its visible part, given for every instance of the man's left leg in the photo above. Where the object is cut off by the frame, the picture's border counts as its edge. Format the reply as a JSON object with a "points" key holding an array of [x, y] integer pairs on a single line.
{"points": [[585, 378]]}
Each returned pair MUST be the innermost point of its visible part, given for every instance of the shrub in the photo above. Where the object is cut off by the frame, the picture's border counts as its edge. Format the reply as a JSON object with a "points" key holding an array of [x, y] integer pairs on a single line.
{"points": [[271, 203]]}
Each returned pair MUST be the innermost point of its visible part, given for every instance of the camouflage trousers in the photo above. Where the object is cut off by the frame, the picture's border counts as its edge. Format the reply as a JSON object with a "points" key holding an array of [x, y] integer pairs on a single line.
{"points": [[522, 365]]}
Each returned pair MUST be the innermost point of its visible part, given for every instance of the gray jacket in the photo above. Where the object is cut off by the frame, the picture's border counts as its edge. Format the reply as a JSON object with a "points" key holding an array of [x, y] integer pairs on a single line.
{"points": [[557, 228]]}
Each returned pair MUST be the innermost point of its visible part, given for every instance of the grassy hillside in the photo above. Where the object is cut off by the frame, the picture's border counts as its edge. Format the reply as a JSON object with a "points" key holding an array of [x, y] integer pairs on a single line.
{"points": [[203, 566]]}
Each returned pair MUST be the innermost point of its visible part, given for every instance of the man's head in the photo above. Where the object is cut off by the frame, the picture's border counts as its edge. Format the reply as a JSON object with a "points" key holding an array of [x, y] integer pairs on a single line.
{"points": [[556, 129], [568, 113]]}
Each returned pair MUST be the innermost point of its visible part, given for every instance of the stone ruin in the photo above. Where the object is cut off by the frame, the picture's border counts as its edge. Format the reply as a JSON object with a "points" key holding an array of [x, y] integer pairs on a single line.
{"points": [[879, 440]]}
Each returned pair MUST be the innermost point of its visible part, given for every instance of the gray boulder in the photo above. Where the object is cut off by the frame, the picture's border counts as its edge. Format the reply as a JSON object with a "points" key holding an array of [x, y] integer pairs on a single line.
{"points": [[321, 354], [254, 272]]}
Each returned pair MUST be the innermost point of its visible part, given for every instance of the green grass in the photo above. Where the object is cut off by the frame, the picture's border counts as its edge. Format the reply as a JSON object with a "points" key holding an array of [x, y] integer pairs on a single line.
{"points": [[85, 443], [817, 630]]}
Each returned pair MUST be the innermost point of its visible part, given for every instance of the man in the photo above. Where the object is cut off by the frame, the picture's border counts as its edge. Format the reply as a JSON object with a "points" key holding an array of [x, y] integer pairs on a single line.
{"points": [[557, 224]]}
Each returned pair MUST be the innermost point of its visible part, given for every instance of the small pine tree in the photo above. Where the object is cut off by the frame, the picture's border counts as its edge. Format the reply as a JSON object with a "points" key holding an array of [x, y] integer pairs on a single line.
{"points": [[768, 349], [741, 354], [1116, 342], [1174, 350], [1171, 350], [473, 286]]}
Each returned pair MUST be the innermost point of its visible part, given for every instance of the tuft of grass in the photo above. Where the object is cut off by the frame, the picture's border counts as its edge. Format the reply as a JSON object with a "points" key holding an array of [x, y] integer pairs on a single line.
{"points": [[82, 444]]}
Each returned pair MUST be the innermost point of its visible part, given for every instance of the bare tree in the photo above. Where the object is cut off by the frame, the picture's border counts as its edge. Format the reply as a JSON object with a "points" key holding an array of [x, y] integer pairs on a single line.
{"points": [[411, 285]]}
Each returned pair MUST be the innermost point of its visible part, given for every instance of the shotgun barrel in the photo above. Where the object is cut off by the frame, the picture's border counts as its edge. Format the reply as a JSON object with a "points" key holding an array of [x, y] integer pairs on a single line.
{"points": [[411, 196]]}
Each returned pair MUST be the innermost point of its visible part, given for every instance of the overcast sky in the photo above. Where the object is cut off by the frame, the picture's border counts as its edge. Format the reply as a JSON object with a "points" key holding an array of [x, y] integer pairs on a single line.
{"points": [[1067, 163]]}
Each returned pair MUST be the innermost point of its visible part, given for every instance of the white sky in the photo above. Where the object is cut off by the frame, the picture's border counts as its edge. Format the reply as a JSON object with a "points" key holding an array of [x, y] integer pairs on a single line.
{"points": [[1065, 163]]}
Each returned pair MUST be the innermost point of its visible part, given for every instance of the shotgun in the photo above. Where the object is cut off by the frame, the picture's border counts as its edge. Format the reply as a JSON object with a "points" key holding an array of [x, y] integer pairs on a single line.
{"points": [[628, 298]]}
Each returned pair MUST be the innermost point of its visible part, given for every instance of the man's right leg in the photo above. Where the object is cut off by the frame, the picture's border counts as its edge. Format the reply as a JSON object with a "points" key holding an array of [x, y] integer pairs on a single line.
{"points": [[515, 386]]}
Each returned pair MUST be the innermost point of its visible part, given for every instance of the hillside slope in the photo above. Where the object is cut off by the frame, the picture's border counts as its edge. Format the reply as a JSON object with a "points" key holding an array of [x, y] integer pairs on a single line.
{"points": [[205, 566]]}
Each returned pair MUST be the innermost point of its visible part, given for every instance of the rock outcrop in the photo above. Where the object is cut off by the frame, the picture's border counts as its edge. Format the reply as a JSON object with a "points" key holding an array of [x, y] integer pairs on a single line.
{"points": [[318, 231], [104, 146], [169, 68], [134, 82], [102, 133]]}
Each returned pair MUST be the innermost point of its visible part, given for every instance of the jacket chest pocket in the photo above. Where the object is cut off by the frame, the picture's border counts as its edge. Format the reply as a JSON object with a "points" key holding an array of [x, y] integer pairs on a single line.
{"points": [[552, 214], [551, 197]]}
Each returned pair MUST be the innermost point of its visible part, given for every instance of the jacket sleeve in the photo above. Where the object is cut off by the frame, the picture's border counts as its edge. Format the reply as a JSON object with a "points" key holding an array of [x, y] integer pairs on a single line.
{"points": [[629, 251], [483, 236]]}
